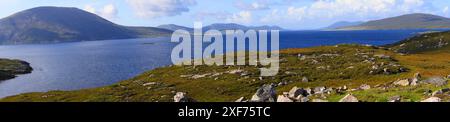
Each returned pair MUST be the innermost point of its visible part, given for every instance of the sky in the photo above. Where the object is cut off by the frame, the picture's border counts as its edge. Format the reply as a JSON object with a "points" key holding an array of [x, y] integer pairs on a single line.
{"points": [[289, 14]]}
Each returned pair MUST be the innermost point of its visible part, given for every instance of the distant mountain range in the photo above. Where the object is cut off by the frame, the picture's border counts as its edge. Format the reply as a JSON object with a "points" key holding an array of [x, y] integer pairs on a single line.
{"points": [[221, 27], [343, 24], [409, 21], [60, 24]]}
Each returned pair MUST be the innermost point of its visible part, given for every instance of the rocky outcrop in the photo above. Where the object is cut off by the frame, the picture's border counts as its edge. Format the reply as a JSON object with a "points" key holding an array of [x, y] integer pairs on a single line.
{"points": [[182, 97], [438, 81], [265, 94], [402, 82]]}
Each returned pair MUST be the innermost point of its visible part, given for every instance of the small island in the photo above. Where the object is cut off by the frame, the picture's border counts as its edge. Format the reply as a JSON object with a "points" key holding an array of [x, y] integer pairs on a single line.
{"points": [[11, 68]]}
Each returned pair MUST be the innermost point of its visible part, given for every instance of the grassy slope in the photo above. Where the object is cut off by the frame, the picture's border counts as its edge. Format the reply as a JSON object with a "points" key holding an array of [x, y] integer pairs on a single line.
{"points": [[229, 87]]}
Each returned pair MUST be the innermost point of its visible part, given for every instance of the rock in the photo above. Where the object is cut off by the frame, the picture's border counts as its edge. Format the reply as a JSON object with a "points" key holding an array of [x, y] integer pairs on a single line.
{"points": [[302, 99], [182, 97], [438, 81], [344, 88], [150, 83], [240, 99], [349, 98], [319, 100], [448, 76], [386, 71], [235, 71], [284, 98], [432, 99], [308, 91], [319, 90], [395, 99], [364, 87], [382, 56], [437, 93], [402, 82], [265, 94], [305, 79], [418, 76], [282, 83], [442, 91], [295, 92], [199, 76]]}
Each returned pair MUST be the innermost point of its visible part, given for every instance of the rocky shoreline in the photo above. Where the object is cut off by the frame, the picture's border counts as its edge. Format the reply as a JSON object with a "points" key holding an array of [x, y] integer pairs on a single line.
{"points": [[11, 68]]}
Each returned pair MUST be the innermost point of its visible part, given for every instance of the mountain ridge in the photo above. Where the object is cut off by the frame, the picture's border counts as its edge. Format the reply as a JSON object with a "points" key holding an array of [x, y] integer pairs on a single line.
{"points": [[50, 24], [221, 27], [408, 21]]}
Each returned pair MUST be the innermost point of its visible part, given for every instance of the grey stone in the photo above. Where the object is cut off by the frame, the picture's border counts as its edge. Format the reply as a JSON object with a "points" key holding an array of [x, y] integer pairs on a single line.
{"points": [[295, 92], [266, 93], [402, 82], [432, 99], [319, 90], [284, 98], [364, 87], [438, 81], [182, 97], [305, 79]]}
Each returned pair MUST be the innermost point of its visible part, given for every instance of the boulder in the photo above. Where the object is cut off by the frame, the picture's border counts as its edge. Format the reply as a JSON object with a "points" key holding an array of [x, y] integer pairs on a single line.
{"points": [[302, 99], [308, 91], [319, 90], [402, 82], [305, 79], [284, 98], [432, 99], [265, 94], [364, 87], [349, 98], [295, 92], [182, 97], [438, 81], [395, 99]]}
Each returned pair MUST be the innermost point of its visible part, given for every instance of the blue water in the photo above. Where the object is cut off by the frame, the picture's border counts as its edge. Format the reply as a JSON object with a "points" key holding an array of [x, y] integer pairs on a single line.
{"points": [[78, 65]]}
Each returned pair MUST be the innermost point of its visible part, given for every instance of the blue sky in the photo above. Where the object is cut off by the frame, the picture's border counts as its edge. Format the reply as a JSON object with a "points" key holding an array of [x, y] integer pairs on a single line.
{"points": [[291, 14]]}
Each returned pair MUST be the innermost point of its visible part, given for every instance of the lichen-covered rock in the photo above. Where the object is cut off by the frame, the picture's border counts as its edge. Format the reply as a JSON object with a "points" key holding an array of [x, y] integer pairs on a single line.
{"points": [[265, 94], [438, 81]]}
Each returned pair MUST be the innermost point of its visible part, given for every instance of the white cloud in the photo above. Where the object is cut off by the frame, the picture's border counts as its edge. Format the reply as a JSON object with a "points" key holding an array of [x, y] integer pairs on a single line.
{"points": [[256, 5], [160, 8], [244, 17], [446, 11], [212, 15], [108, 11], [356, 9]]}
